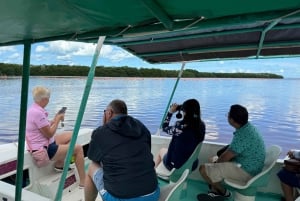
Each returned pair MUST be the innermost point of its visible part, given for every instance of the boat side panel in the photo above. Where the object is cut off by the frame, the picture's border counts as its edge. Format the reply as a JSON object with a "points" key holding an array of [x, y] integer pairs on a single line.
{"points": [[7, 193], [38, 176]]}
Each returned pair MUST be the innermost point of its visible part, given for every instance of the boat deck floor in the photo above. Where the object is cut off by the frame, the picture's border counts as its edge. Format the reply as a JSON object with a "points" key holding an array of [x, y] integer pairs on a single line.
{"points": [[194, 187]]}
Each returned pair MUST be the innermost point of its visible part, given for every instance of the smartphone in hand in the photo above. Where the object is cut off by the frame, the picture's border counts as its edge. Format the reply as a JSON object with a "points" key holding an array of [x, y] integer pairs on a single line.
{"points": [[62, 110]]}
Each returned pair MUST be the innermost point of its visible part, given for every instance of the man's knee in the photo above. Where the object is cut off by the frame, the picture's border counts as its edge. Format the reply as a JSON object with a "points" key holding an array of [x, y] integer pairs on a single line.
{"points": [[93, 167]]}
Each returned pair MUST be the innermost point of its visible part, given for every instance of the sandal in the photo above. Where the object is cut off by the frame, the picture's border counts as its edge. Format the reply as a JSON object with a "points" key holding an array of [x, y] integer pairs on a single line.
{"points": [[60, 169]]}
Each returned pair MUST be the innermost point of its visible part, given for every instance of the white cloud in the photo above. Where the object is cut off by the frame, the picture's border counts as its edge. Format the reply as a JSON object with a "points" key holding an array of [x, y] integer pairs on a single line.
{"points": [[118, 55], [41, 48], [6, 49], [84, 51], [14, 56], [64, 57], [38, 57], [68, 50], [106, 50]]}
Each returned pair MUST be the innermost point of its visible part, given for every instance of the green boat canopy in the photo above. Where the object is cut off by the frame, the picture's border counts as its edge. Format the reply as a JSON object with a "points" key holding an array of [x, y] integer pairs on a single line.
{"points": [[160, 31]]}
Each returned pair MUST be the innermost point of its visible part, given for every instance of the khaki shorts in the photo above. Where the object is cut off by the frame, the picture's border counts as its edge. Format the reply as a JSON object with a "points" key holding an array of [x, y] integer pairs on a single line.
{"points": [[227, 170]]}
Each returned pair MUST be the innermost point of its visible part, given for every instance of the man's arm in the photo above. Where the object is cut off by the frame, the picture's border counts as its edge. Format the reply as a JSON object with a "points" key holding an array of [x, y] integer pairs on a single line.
{"points": [[226, 156]]}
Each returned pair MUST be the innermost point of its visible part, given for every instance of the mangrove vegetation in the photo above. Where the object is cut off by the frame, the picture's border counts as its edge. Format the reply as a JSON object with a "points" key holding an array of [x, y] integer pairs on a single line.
{"points": [[125, 71]]}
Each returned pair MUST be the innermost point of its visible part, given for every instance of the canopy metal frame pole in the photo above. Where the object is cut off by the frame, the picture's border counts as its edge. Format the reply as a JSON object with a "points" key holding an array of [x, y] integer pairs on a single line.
{"points": [[174, 89], [22, 122], [79, 117]]}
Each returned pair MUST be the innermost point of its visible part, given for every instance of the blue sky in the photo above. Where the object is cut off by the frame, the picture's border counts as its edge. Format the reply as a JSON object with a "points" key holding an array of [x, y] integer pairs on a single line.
{"points": [[75, 53]]}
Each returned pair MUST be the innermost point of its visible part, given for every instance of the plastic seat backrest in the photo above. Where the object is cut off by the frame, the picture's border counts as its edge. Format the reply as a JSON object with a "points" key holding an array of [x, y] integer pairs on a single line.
{"points": [[172, 191], [298, 191], [187, 165], [261, 179], [175, 174]]}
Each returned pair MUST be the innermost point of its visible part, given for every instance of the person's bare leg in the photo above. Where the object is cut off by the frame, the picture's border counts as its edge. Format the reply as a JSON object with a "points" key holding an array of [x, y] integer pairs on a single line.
{"points": [[63, 138], [60, 156], [79, 162], [216, 187], [160, 156], [59, 163], [90, 190], [288, 192]]}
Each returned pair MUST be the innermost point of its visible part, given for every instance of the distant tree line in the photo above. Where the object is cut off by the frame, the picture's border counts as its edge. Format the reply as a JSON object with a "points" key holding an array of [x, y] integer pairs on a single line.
{"points": [[125, 71]]}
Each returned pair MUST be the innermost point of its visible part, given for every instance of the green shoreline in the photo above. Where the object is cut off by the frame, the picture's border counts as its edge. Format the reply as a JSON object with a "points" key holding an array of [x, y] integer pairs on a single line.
{"points": [[125, 71]]}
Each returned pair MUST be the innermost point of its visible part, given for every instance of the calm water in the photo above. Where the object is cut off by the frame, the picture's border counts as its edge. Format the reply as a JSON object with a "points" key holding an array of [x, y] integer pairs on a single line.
{"points": [[273, 105]]}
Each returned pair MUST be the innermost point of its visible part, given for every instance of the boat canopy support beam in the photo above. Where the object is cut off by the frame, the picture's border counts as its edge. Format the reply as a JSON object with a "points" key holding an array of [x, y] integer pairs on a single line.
{"points": [[180, 26], [172, 94], [271, 25], [229, 47], [263, 35], [159, 13], [22, 122], [84, 100]]}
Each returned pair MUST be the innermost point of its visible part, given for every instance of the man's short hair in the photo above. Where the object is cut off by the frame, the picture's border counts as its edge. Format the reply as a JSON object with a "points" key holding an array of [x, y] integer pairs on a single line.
{"points": [[118, 106], [239, 114]]}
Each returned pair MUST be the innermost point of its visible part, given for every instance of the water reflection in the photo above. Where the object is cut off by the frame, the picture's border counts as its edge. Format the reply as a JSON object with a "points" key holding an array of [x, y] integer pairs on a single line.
{"points": [[272, 104]]}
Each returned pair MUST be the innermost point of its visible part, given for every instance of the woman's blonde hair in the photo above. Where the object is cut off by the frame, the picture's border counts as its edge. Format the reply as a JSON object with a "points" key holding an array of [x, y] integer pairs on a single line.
{"points": [[40, 92]]}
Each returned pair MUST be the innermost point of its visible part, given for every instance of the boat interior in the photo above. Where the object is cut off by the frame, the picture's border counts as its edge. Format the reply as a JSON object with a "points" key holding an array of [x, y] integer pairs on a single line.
{"points": [[157, 31], [42, 183]]}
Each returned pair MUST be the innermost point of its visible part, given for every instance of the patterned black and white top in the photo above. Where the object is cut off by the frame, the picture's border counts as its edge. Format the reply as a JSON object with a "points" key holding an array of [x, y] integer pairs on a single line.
{"points": [[183, 143]]}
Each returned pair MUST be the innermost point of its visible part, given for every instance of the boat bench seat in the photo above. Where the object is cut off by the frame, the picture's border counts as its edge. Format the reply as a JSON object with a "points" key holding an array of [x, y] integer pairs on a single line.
{"points": [[8, 193], [48, 184]]}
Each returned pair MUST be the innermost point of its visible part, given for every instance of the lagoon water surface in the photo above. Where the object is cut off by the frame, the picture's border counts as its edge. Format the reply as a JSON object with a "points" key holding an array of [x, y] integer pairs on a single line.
{"points": [[273, 104]]}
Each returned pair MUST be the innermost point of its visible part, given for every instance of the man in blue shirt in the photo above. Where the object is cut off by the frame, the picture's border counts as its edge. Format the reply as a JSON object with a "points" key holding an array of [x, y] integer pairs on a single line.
{"points": [[242, 160]]}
